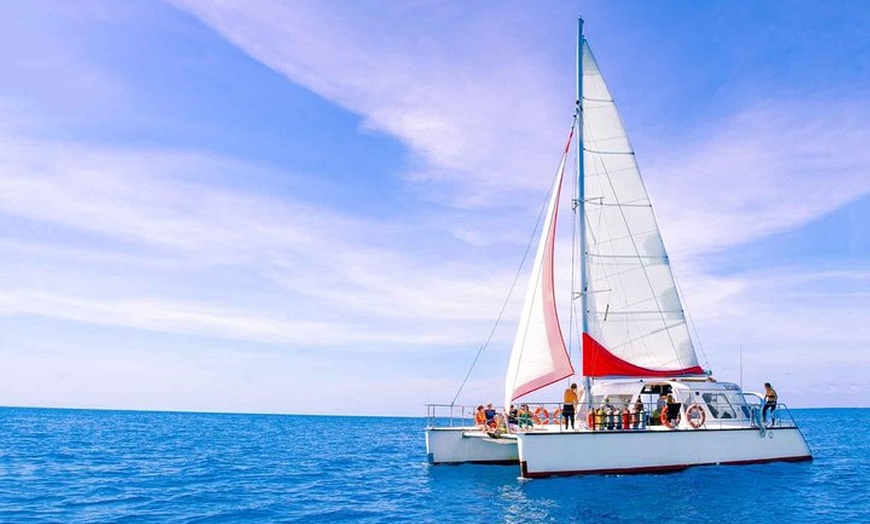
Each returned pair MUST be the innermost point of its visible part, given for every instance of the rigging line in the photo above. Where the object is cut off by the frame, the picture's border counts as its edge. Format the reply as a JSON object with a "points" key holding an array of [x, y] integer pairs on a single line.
{"points": [[606, 100], [625, 221], [607, 204], [511, 289], [575, 247], [628, 311], [690, 320], [595, 152], [665, 328], [504, 304], [629, 257]]}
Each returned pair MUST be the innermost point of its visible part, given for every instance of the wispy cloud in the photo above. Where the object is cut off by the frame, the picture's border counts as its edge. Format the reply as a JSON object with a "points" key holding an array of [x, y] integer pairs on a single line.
{"points": [[485, 131], [771, 168], [153, 211], [473, 122], [162, 239]]}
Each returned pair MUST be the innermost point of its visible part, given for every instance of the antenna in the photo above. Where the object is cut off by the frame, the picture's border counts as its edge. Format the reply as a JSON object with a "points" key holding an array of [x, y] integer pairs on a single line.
{"points": [[740, 352]]}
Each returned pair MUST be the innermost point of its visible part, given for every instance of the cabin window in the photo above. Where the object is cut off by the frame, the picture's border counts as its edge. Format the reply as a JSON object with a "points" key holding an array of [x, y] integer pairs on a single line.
{"points": [[719, 405]]}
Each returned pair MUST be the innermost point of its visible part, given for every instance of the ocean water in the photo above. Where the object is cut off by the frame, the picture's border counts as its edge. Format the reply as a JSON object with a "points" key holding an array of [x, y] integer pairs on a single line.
{"points": [[116, 466]]}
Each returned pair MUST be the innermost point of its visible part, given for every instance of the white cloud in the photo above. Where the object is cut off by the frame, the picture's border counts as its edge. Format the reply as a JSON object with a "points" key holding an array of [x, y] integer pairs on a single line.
{"points": [[142, 239], [485, 120], [473, 100], [147, 239], [772, 168]]}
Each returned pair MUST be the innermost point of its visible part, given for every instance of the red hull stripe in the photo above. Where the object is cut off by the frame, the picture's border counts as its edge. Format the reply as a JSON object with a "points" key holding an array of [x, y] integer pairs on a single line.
{"points": [[599, 362], [655, 469]]}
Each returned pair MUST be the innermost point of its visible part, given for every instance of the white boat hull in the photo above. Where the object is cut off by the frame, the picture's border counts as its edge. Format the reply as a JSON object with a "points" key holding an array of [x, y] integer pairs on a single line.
{"points": [[466, 445], [569, 453]]}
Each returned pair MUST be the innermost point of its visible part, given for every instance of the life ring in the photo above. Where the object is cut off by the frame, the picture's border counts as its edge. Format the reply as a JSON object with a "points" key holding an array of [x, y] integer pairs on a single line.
{"points": [[541, 415], [696, 408], [663, 418], [557, 414]]}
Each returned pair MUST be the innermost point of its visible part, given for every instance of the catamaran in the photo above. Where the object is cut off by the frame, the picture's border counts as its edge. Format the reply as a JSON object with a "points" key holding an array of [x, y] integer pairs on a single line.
{"points": [[646, 403]]}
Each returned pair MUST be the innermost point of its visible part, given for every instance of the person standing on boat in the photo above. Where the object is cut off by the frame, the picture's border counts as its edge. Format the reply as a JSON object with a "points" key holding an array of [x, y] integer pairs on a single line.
{"points": [[571, 399], [770, 398]]}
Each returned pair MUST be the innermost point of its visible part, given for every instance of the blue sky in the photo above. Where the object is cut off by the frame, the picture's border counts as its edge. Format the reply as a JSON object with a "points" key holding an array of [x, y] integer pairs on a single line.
{"points": [[318, 207]]}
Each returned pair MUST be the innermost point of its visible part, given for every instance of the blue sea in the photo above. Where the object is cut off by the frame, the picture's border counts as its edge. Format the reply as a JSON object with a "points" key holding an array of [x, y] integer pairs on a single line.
{"points": [[61, 465]]}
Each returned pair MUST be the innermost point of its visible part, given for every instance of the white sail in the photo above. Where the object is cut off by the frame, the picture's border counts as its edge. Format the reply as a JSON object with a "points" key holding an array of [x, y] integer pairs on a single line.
{"points": [[539, 356], [635, 323]]}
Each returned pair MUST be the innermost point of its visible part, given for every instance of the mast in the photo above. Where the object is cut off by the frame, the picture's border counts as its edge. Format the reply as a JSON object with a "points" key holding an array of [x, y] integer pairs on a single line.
{"points": [[581, 205]]}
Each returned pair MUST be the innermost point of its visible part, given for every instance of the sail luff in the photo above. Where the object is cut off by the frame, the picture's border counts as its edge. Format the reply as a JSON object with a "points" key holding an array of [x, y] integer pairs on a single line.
{"points": [[539, 356], [581, 209]]}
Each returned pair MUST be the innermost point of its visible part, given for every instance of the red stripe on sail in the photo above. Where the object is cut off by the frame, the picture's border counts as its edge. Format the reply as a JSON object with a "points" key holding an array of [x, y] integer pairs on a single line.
{"points": [[568, 143], [555, 340], [561, 360], [599, 362]]}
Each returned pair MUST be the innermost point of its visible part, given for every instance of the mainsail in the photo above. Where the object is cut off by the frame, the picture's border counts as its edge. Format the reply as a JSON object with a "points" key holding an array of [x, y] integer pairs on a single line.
{"points": [[635, 325], [539, 356]]}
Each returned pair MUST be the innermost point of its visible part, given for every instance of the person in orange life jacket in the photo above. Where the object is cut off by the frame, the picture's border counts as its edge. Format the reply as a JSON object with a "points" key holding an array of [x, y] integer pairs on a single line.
{"points": [[571, 399], [480, 417]]}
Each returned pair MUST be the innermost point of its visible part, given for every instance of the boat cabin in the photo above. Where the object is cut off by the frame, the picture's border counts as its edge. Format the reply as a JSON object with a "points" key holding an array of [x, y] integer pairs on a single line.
{"points": [[685, 402]]}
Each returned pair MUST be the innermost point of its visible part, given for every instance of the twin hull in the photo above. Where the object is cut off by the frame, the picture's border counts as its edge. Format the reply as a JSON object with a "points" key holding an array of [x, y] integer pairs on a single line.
{"points": [[542, 454], [461, 445]]}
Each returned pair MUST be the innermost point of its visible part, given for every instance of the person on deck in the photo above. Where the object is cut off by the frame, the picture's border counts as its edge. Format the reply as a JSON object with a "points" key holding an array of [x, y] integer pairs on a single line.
{"points": [[480, 417], [660, 405], [609, 413], [770, 398], [673, 410], [512, 415], [524, 417], [490, 415], [637, 413], [571, 399]]}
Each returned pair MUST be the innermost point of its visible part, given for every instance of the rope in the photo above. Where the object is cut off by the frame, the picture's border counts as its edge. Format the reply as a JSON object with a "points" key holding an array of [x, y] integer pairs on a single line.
{"points": [[691, 321]]}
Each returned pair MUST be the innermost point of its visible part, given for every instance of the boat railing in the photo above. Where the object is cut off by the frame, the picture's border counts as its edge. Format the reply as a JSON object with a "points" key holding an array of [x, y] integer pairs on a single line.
{"points": [[540, 415], [779, 417], [548, 415], [449, 415]]}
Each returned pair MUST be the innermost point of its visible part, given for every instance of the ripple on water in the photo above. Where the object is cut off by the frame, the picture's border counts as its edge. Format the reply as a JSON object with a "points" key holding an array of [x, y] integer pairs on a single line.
{"points": [[98, 466]]}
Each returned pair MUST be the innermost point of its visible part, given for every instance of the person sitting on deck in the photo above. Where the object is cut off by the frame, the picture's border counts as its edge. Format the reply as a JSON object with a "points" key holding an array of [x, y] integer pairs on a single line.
{"points": [[524, 418], [497, 426], [490, 415], [512, 415], [480, 417]]}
